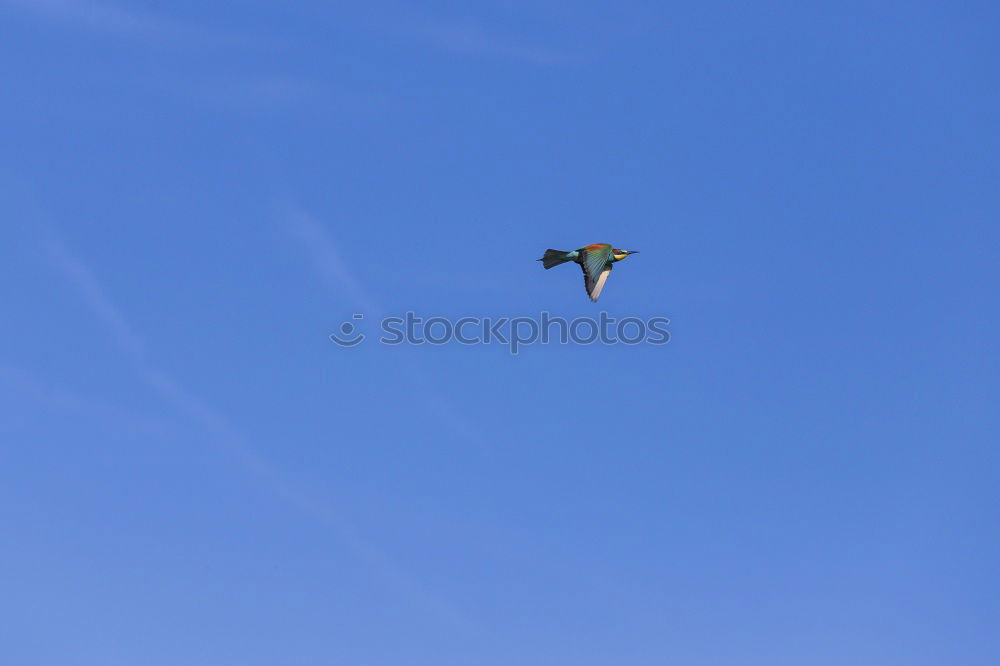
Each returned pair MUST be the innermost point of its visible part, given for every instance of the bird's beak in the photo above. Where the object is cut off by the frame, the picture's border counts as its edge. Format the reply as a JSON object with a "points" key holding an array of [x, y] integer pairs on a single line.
{"points": [[631, 251]]}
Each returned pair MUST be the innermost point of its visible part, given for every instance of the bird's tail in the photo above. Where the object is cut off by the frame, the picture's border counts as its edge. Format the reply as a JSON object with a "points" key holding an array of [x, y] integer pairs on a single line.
{"points": [[554, 258]]}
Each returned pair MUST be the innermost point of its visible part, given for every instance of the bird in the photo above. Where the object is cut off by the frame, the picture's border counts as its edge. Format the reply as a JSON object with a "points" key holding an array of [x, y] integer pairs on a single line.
{"points": [[595, 260]]}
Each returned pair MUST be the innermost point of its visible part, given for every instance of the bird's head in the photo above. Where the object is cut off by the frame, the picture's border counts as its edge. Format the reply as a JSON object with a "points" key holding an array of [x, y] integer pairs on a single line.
{"points": [[621, 254]]}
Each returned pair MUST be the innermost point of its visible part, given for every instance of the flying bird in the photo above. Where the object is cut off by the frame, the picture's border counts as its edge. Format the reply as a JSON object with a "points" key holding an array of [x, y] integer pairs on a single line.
{"points": [[595, 260]]}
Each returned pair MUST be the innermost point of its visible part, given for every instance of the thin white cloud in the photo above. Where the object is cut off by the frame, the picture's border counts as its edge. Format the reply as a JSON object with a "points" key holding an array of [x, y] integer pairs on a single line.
{"points": [[30, 388], [83, 279], [110, 18], [460, 36], [329, 264], [222, 433], [94, 296], [248, 92], [195, 409], [327, 260], [473, 38], [205, 85]]}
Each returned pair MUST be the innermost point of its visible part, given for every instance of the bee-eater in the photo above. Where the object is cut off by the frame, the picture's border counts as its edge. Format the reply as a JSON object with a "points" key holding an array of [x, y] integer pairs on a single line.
{"points": [[595, 260]]}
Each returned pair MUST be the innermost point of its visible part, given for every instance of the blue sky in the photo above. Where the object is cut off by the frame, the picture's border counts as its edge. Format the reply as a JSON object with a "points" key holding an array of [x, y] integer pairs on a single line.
{"points": [[197, 194]]}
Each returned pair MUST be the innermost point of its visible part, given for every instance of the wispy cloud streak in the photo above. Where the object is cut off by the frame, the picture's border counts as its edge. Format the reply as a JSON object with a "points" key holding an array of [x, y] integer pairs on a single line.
{"points": [[472, 38], [222, 433], [328, 261], [83, 279], [80, 275], [111, 19], [334, 272], [60, 400]]}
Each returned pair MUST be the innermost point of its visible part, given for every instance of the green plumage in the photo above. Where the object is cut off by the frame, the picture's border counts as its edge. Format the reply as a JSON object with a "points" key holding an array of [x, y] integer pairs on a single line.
{"points": [[595, 260]]}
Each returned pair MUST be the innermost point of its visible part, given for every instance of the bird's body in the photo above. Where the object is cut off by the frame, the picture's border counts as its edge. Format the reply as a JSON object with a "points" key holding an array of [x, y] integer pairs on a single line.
{"points": [[595, 260]]}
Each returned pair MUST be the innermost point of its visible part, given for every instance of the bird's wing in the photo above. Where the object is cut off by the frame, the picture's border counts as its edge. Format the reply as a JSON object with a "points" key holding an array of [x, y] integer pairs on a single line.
{"points": [[595, 264], [598, 286]]}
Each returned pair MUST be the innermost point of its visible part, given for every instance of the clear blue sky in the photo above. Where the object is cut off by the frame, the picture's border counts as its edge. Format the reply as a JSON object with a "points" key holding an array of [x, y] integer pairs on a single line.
{"points": [[194, 195]]}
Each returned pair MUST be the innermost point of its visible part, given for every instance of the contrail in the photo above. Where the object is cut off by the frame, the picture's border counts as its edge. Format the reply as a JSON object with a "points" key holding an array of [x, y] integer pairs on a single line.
{"points": [[328, 263], [223, 434]]}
